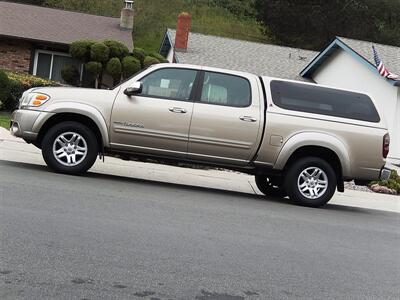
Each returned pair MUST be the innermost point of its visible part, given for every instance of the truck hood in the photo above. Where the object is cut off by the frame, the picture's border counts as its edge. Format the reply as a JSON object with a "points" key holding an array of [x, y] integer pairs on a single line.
{"points": [[78, 100], [90, 96]]}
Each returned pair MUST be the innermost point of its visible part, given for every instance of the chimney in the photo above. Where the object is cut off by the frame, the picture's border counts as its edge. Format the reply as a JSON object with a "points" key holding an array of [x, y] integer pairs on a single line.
{"points": [[127, 14], [182, 32]]}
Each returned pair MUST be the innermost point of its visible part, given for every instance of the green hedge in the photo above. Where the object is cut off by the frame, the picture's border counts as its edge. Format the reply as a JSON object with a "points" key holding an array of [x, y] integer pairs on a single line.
{"points": [[71, 75], [99, 52], [4, 88], [130, 66], [17, 84], [149, 60], [139, 54], [117, 49], [81, 49], [159, 57], [114, 68]]}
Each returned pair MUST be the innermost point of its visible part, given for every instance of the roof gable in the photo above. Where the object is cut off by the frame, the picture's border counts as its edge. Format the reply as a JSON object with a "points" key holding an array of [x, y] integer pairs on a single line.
{"points": [[361, 51], [57, 26]]}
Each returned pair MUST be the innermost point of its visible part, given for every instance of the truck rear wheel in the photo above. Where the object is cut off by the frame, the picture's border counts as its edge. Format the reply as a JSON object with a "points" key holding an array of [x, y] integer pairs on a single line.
{"points": [[269, 186], [310, 181], [70, 148]]}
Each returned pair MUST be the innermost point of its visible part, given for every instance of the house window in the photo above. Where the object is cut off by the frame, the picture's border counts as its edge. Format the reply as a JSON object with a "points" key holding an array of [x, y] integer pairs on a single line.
{"points": [[48, 64]]}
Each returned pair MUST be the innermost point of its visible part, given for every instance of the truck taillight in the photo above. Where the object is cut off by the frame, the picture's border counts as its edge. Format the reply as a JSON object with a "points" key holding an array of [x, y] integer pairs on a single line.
{"points": [[386, 145]]}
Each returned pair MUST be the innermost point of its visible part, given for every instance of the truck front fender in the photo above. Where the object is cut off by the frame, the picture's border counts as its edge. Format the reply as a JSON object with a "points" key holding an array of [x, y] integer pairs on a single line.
{"points": [[78, 109], [315, 139]]}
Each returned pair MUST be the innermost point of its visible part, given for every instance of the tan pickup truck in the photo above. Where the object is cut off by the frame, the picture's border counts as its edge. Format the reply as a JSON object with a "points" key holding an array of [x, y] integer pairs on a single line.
{"points": [[299, 140]]}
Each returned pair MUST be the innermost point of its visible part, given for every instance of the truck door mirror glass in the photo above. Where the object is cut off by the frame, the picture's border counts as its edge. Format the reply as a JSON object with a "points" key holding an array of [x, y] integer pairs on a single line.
{"points": [[135, 89]]}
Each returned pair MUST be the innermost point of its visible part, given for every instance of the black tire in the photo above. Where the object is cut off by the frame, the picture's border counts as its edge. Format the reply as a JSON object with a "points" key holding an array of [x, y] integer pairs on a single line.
{"points": [[292, 186], [75, 127], [270, 187]]}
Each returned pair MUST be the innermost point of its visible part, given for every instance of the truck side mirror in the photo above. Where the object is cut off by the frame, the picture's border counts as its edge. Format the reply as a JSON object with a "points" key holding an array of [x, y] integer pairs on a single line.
{"points": [[135, 89]]}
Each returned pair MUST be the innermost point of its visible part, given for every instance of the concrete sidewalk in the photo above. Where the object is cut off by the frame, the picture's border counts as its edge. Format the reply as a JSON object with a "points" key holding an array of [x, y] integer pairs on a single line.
{"points": [[14, 149]]}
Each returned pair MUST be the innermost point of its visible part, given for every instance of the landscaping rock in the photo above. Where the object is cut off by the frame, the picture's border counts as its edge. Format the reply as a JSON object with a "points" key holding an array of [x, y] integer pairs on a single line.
{"points": [[382, 189]]}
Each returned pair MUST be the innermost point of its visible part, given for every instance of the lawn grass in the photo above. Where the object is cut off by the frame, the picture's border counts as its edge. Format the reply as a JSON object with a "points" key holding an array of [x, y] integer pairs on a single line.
{"points": [[5, 119], [152, 17]]}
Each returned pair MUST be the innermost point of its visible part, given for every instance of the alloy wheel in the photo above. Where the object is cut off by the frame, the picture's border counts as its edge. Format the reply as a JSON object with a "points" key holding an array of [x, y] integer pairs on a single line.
{"points": [[70, 149], [312, 182]]}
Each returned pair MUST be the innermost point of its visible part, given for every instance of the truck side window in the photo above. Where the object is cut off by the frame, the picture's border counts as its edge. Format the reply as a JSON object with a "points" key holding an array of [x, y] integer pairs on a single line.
{"points": [[169, 83], [223, 89], [324, 101]]}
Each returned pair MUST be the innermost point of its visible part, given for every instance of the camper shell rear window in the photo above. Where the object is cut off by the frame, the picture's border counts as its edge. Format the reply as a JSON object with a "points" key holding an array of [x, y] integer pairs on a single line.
{"points": [[324, 101]]}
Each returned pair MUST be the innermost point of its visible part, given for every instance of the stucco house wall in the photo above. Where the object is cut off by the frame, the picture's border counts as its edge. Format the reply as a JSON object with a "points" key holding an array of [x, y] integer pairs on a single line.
{"points": [[343, 71]]}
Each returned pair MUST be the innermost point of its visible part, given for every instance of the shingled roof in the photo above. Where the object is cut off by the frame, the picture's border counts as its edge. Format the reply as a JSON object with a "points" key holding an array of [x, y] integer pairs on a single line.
{"points": [[56, 26], [257, 58], [389, 54]]}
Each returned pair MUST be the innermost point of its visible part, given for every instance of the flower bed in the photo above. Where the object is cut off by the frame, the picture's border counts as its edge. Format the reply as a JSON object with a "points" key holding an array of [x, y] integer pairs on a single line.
{"points": [[390, 186]]}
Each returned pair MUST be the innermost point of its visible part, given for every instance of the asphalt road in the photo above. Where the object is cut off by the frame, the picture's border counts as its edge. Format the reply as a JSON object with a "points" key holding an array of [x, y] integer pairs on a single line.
{"points": [[108, 237]]}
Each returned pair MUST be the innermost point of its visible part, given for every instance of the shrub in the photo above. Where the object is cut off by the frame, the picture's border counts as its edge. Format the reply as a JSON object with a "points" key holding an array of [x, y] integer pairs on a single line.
{"points": [[71, 75], [130, 66], [139, 54], [4, 89], [149, 60], [392, 183], [20, 82], [99, 52], [114, 68], [94, 68], [117, 49], [15, 92], [159, 57], [81, 49]]}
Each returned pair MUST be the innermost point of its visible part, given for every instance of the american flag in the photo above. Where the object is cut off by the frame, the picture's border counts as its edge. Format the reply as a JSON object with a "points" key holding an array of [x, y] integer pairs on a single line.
{"points": [[381, 67]]}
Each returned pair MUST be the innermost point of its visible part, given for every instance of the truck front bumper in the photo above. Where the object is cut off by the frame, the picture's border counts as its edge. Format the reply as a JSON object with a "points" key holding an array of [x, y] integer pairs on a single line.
{"points": [[26, 123]]}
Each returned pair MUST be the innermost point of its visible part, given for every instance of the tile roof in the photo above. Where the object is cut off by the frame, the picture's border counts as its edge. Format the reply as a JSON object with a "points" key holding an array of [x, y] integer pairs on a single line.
{"points": [[58, 26], [390, 55], [257, 58]]}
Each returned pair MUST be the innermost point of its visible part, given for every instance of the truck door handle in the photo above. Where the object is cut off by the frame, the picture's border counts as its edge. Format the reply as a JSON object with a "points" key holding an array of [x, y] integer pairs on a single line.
{"points": [[248, 119], [177, 110]]}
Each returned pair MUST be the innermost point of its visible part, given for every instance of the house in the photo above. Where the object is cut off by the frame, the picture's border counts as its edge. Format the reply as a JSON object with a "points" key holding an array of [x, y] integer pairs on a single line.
{"points": [[349, 64], [36, 39], [345, 63]]}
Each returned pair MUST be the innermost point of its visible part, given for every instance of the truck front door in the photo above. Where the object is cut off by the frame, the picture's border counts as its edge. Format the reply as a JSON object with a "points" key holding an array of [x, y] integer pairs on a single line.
{"points": [[157, 120]]}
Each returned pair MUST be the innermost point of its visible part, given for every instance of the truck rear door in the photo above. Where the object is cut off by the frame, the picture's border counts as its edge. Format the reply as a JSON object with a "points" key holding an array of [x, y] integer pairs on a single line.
{"points": [[227, 118]]}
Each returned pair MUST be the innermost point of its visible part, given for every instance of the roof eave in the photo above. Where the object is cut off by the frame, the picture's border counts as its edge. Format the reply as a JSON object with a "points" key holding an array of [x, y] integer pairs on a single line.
{"points": [[336, 44], [33, 40], [167, 40]]}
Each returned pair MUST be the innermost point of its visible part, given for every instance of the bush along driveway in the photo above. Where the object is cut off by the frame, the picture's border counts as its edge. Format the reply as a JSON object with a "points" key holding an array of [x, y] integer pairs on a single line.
{"points": [[5, 119], [13, 84]]}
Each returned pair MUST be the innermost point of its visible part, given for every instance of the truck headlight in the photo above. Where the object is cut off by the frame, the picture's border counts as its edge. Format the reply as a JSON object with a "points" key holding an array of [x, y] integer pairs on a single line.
{"points": [[34, 100]]}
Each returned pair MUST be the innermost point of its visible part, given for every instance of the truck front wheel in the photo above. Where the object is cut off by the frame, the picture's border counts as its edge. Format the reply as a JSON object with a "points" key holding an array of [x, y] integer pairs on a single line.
{"points": [[70, 147], [270, 186], [310, 181]]}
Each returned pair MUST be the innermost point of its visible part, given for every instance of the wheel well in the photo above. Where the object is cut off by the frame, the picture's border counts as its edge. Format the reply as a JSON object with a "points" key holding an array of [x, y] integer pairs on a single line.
{"points": [[324, 153], [58, 118]]}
